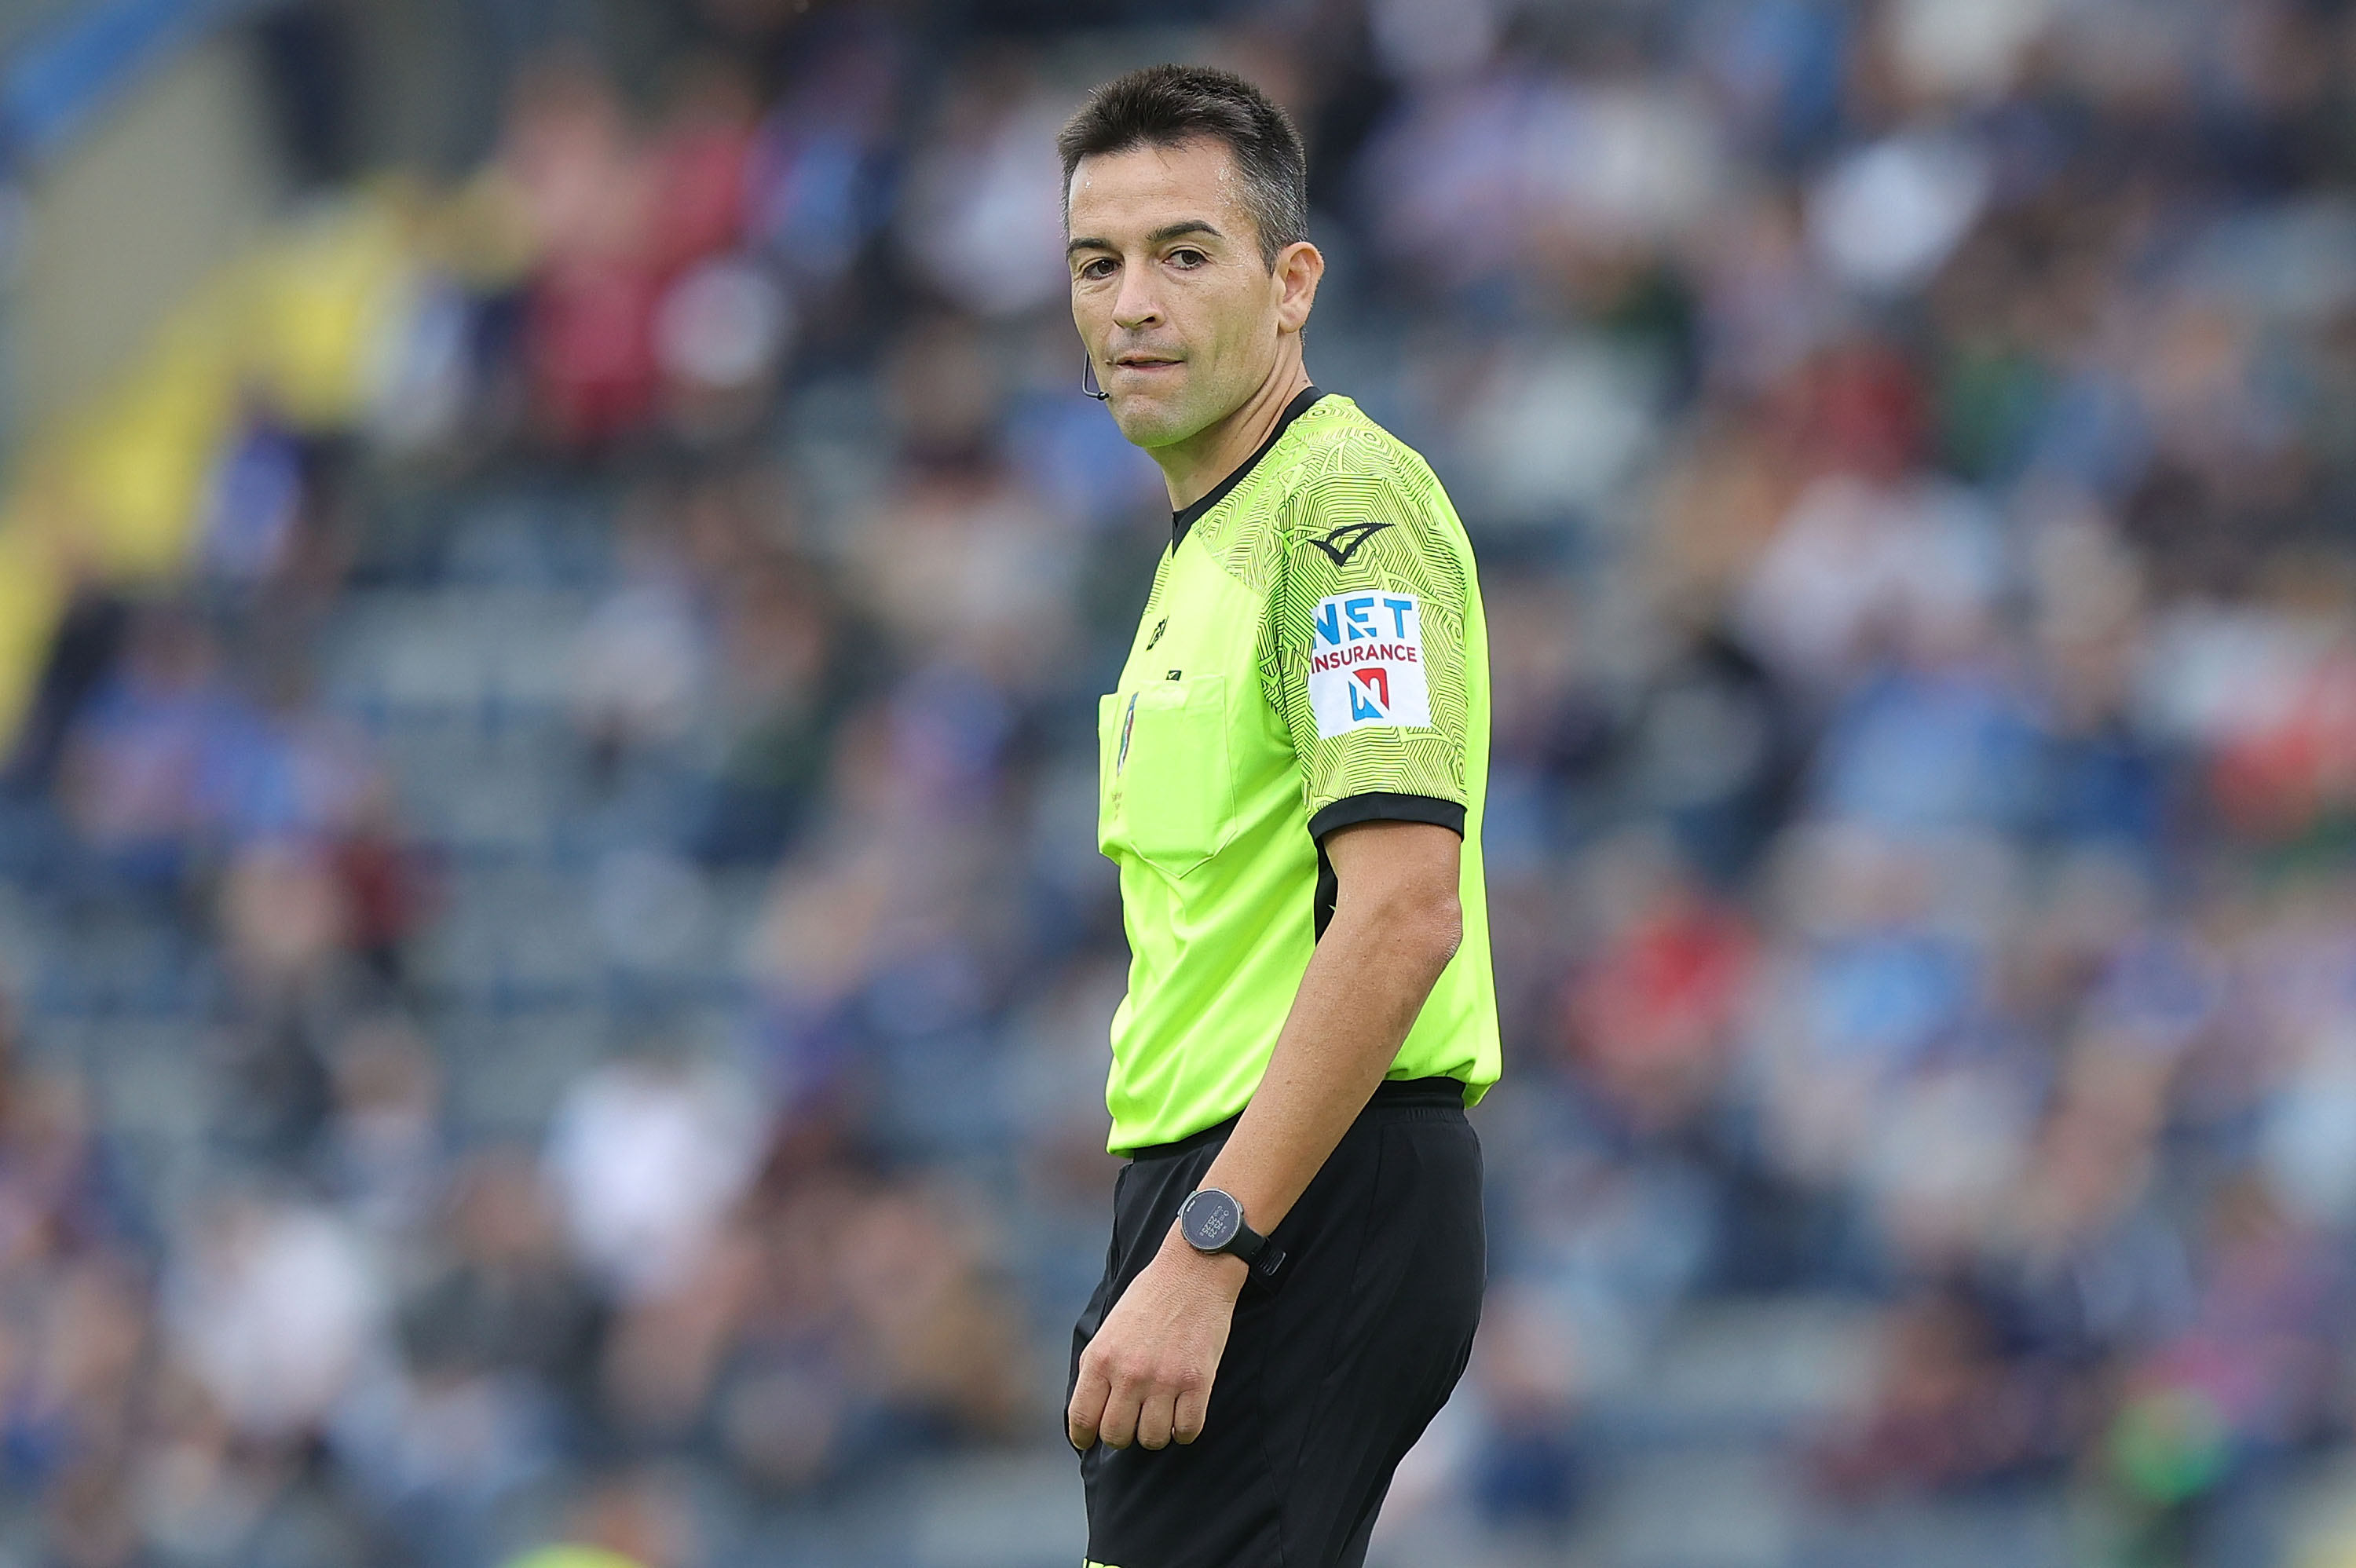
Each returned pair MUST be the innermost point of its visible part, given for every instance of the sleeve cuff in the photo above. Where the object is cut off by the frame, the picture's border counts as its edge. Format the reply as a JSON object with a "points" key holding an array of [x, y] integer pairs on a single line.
{"points": [[1381, 806]]}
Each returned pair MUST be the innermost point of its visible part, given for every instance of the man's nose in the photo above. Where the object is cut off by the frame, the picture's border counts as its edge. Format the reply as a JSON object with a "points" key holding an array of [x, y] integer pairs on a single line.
{"points": [[1138, 303]]}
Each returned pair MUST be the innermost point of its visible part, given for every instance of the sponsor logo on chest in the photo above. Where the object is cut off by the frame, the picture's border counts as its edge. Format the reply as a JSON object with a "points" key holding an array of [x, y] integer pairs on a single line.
{"points": [[1366, 664]]}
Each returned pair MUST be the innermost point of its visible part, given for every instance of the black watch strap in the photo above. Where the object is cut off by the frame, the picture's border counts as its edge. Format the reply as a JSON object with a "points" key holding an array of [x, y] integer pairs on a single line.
{"points": [[1262, 1254]]}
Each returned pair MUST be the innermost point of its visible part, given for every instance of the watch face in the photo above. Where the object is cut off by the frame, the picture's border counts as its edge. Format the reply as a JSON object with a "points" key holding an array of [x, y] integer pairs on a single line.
{"points": [[1210, 1219]]}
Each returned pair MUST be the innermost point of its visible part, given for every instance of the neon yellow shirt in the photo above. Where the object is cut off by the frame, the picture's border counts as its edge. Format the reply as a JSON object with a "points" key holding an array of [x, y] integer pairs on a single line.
{"points": [[1313, 655]]}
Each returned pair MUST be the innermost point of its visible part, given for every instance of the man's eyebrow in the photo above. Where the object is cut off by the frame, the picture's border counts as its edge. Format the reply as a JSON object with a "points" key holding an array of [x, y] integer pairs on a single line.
{"points": [[1161, 236], [1170, 231]]}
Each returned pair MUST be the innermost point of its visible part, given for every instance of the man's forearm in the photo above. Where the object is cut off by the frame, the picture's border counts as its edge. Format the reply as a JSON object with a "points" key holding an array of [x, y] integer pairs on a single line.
{"points": [[1363, 987]]}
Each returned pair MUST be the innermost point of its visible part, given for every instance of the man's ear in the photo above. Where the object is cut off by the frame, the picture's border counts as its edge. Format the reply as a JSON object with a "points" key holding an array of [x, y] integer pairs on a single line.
{"points": [[1299, 267]]}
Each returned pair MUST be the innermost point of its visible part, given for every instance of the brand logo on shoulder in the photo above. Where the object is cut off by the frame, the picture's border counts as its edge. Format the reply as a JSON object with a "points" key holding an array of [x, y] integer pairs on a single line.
{"points": [[1343, 542], [1365, 663]]}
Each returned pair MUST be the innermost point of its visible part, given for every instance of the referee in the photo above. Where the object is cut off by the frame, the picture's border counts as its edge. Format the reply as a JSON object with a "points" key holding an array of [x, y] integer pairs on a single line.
{"points": [[1290, 783]]}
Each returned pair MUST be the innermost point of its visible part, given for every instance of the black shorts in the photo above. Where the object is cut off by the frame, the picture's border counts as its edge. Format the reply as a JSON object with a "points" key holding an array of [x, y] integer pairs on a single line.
{"points": [[1332, 1368]]}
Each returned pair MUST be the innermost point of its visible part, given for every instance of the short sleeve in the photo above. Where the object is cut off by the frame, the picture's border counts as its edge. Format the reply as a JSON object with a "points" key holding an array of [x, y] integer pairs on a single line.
{"points": [[1364, 650]]}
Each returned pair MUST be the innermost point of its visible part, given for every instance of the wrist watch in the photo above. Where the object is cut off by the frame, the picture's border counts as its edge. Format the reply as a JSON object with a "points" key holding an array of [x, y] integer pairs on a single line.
{"points": [[1213, 1222]]}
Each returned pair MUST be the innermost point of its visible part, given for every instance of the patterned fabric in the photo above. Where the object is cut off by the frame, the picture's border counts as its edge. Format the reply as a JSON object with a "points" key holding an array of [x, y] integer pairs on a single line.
{"points": [[1337, 472]]}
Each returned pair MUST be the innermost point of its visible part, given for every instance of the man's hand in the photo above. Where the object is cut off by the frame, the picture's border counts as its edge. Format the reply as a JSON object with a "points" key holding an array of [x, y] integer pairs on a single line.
{"points": [[1146, 1376]]}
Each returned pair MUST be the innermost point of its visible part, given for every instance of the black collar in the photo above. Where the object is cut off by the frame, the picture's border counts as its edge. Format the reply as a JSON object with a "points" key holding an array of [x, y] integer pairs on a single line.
{"points": [[1180, 522]]}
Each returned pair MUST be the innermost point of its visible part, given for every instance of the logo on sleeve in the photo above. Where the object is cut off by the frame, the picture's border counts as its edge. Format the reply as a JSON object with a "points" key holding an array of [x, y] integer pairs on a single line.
{"points": [[1343, 542], [1365, 663]]}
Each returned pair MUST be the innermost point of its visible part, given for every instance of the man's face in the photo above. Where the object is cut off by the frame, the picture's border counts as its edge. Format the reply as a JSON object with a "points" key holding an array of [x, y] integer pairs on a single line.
{"points": [[1176, 308]]}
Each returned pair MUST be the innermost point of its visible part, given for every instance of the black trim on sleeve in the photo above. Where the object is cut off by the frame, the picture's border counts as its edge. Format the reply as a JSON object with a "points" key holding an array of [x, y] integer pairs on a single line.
{"points": [[1179, 522], [1383, 805], [1375, 805]]}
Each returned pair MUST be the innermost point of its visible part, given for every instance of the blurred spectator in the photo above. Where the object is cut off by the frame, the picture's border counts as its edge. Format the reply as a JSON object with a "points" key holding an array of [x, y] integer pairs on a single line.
{"points": [[134, 770], [648, 1155], [275, 1308], [980, 218]]}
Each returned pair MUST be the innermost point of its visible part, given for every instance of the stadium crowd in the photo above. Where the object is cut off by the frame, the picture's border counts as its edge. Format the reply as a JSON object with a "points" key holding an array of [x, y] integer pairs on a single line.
{"points": [[1907, 445]]}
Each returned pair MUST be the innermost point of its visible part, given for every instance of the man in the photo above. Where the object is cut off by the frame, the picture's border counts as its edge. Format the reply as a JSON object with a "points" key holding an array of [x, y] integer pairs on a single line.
{"points": [[1291, 783]]}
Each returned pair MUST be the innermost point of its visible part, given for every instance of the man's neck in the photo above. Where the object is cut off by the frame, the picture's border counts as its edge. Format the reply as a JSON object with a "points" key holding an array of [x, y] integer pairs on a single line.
{"points": [[1192, 468]]}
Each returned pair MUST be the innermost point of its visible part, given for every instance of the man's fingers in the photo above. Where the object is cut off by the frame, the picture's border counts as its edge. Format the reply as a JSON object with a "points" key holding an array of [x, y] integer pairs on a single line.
{"points": [[1119, 1427], [1085, 1416], [1154, 1420], [1194, 1408], [1145, 1377]]}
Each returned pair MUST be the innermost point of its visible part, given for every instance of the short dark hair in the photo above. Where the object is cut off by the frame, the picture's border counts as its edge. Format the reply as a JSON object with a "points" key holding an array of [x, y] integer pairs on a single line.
{"points": [[1163, 106]]}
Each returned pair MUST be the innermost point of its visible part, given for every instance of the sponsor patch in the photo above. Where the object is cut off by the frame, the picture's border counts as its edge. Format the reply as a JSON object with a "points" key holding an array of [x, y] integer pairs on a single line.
{"points": [[1366, 664]]}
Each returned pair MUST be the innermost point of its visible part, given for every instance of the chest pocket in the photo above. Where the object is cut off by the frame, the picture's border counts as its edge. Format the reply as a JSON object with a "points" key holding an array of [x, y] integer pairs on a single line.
{"points": [[1164, 791]]}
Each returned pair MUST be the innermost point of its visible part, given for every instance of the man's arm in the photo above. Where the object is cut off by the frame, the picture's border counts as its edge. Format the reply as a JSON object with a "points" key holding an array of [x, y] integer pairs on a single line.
{"points": [[1146, 1377]]}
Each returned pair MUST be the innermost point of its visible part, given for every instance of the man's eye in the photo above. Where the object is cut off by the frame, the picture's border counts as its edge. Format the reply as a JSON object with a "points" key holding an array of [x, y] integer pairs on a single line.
{"points": [[1099, 268], [1187, 258]]}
